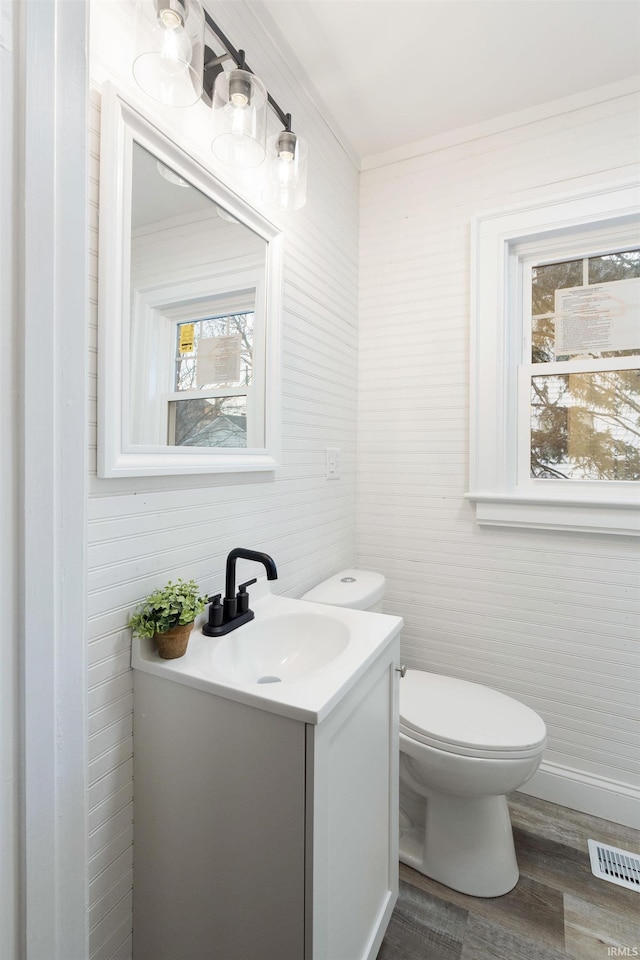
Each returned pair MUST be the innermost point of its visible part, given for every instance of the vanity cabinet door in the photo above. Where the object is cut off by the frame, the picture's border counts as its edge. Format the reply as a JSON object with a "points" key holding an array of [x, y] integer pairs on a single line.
{"points": [[352, 819], [219, 827]]}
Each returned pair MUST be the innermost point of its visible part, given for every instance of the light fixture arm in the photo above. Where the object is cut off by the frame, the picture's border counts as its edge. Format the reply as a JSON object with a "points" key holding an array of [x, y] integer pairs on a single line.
{"points": [[213, 66]]}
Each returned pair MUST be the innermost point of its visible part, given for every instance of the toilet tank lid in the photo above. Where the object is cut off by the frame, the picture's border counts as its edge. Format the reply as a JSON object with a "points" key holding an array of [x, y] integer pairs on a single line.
{"points": [[466, 714], [358, 589]]}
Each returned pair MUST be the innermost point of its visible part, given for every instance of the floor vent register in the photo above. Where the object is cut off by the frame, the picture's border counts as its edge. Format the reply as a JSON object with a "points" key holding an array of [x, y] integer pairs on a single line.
{"points": [[615, 865]]}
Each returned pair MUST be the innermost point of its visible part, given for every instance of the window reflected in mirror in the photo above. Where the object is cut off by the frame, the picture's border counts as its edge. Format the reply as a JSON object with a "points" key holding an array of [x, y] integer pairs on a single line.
{"points": [[214, 358]]}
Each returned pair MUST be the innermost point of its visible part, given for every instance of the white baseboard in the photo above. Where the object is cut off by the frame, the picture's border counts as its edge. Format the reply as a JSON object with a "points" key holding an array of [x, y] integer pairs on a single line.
{"points": [[609, 799]]}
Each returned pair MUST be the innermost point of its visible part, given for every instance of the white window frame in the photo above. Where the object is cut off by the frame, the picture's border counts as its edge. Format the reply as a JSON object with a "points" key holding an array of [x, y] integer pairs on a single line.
{"points": [[504, 244], [157, 312]]}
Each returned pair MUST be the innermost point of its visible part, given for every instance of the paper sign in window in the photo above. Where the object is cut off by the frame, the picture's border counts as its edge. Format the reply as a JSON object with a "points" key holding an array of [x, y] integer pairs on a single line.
{"points": [[187, 338], [218, 360], [604, 316]]}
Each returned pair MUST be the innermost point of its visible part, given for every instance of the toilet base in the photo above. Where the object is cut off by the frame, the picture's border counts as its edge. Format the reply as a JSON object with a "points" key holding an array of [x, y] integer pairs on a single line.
{"points": [[465, 843]]}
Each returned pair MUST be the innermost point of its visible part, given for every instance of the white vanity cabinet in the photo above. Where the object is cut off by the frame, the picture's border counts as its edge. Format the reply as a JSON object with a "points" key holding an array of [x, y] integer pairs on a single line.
{"points": [[259, 836]]}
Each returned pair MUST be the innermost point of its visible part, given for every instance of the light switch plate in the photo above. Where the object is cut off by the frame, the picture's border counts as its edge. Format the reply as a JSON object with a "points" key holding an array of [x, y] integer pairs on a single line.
{"points": [[332, 462]]}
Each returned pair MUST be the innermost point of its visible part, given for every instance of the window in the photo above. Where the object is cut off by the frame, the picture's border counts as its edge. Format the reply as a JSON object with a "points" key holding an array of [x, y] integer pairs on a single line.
{"points": [[212, 381], [199, 378], [556, 364], [584, 417]]}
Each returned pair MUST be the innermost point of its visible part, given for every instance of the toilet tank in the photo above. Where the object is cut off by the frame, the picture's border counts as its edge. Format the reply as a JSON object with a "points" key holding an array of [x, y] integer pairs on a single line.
{"points": [[358, 589]]}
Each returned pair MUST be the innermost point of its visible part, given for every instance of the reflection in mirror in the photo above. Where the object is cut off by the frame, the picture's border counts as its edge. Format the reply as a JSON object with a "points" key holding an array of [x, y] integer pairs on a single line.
{"points": [[189, 304], [197, 323]]}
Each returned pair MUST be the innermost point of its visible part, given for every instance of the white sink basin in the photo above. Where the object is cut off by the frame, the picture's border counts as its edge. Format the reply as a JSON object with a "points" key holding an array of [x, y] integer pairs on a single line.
{"points": [[285, 647], [296, 658]]}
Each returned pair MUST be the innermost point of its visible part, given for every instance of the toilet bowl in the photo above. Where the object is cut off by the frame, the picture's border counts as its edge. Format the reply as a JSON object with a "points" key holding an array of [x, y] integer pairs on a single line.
{"points": [[463, 747]]}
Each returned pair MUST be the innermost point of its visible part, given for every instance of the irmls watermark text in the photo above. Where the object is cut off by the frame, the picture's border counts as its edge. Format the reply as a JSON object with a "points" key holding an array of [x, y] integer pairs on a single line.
{"points": [[623, 952]]}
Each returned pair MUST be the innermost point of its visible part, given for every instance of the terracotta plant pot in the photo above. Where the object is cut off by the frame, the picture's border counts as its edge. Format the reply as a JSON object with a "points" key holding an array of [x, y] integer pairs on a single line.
{"points": [[173, 643]]}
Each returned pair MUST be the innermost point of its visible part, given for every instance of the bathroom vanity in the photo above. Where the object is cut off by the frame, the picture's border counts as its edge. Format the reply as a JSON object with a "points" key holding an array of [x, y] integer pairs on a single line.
{"points": [[265, 808]]}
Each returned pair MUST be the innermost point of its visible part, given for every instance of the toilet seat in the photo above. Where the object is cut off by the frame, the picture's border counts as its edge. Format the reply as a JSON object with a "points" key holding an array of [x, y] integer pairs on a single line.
{"points": [[467, 719]]}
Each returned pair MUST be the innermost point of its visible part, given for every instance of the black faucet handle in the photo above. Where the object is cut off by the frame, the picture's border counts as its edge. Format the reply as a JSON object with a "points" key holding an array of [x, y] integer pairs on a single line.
{"points": [[243, 586], [215, 610], [243, 597]]}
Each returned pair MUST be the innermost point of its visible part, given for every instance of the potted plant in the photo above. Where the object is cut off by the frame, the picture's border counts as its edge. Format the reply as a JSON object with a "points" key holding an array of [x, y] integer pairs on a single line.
{"points": [[167, 615]]}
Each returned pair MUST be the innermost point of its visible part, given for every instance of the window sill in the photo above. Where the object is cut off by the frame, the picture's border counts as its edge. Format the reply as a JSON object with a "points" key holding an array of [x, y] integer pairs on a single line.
{"points": [[620, 518]]}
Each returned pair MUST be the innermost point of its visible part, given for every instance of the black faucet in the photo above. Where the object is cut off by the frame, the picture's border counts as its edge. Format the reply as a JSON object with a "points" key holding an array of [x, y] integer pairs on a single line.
{"points": [[234, 610]]}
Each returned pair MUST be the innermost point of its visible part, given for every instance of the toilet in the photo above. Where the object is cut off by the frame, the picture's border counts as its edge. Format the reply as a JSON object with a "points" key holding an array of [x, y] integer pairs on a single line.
{"points": [[463, 747], [357, 589]]}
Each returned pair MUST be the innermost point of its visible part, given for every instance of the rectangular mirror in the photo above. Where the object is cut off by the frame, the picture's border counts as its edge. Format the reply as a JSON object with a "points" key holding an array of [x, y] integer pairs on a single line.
{"points": [[189, 311]]}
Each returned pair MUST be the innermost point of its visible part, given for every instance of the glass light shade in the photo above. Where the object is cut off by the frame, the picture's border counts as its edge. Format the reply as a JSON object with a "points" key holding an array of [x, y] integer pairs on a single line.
{"points": [[170, 50], [287, 179], [170, 175], [225, 215], [239, 119]]}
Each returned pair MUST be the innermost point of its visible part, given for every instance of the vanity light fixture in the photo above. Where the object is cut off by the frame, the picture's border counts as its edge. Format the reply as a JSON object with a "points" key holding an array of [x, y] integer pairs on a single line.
{"points": [[239, 102], [287, 186], [176, 68], [239, 117], [170, 42]]}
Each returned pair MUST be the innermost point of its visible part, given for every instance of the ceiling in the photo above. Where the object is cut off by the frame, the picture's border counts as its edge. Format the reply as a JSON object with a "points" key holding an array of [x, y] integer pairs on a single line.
{"points": [[392, 72]]}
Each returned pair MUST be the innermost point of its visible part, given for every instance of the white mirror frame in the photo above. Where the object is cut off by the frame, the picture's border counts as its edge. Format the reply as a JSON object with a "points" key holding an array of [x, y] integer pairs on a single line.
{"points": [[121, 125]]}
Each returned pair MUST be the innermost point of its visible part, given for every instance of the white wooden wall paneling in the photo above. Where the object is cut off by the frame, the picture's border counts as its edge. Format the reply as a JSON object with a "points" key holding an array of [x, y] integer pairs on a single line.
{"points": [[143, 531], [549, 618]]}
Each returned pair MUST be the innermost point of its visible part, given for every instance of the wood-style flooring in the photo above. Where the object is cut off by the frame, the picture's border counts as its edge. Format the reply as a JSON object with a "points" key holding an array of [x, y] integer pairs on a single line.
{"points": [[558, 908]]}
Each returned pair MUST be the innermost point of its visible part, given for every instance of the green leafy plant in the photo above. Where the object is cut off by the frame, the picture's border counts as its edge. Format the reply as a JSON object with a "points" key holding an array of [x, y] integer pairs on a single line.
{"points": [[177, 603]]}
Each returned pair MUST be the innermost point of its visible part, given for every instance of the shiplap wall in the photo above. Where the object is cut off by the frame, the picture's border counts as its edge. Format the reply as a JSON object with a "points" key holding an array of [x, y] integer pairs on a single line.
{"points": [[142, 532], [550, 618]]}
